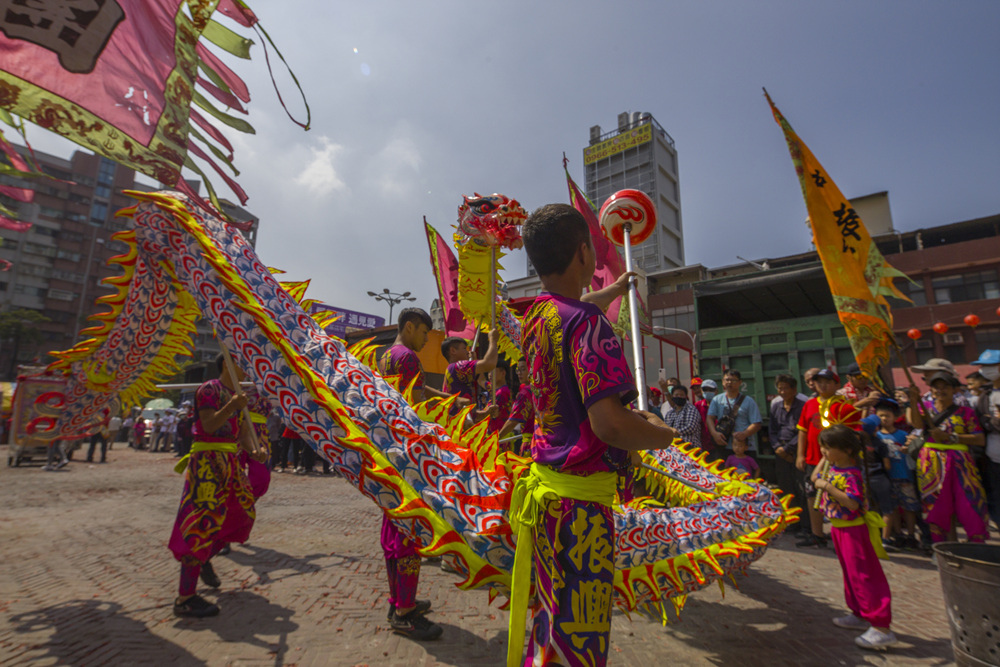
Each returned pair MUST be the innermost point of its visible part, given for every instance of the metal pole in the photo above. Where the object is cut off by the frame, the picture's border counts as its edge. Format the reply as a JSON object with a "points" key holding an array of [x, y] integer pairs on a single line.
{"points": [[633, 306], [493, 313]]}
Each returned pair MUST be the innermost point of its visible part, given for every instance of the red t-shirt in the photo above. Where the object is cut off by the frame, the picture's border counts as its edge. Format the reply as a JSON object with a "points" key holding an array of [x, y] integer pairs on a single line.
{"points": [[817, 415]]}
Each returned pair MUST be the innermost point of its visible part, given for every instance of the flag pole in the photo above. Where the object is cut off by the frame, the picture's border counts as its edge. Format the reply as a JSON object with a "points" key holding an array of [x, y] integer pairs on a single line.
{"points": [[633, 307]]}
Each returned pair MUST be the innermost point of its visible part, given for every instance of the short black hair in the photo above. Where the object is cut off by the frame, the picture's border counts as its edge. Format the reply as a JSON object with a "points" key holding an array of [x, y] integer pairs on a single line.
{"points": [[733, 372], [552, 235], [416, 315], [679, 386], [220, 362], [449, 342], [787, 379]]}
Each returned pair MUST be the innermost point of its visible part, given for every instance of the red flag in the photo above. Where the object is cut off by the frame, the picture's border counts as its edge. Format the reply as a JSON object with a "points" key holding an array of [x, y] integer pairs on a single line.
{"points": [[445, 267], [609, 262]]}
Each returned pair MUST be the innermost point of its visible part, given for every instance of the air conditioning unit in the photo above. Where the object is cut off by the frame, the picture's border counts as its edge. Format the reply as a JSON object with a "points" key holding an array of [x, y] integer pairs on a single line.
{"points": [[924, 344], [595, 134], [953, 339], [624, 118]]}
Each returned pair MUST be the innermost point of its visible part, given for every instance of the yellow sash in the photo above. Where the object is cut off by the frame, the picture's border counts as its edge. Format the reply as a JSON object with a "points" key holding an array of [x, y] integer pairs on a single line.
{"points": [[230, 447], [875, 524], [942, 447], [527, 506], [258, 418]]}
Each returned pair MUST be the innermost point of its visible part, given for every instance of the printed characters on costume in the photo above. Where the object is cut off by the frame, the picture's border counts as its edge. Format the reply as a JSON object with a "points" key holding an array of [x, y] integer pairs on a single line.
{"points": [[217, 504]]}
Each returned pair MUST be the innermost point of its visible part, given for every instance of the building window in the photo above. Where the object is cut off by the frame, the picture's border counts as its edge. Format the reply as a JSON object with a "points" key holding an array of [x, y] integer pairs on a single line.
{"points": [[98, 213], [103, 191], [986, 339], [106, 173], [679, 317], [966, 287]]}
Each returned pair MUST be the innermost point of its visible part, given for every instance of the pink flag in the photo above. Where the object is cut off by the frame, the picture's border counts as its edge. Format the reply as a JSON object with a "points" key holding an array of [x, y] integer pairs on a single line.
{"points": [[609, 262], [445, 267]]}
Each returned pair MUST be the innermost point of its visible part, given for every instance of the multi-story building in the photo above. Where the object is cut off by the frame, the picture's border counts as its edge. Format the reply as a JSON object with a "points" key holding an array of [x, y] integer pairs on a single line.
{"points": [[58, 264], [640, 154]]}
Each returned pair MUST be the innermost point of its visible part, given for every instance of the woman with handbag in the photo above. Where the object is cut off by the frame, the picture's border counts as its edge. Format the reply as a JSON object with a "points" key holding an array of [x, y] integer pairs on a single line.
{"points": [[947, 477]]}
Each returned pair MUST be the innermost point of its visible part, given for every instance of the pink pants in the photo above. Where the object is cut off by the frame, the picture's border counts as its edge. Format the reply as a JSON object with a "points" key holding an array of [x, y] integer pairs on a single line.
{"points": [[258, 474], [865, 587], [402, 565]]}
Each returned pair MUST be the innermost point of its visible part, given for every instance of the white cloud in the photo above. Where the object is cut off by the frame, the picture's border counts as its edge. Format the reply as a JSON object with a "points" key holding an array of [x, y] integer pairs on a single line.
{"points": [[320, 175]]}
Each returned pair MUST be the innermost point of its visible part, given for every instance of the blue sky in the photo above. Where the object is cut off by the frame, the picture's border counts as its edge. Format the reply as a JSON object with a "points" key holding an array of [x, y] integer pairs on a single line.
{"points": [[446, 98]]}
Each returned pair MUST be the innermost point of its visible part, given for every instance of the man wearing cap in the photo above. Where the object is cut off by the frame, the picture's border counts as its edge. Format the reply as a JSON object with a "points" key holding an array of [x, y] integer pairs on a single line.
{"points": [[858, 391], [696, 394], [988, 411], [937, 365], [822, 411]]}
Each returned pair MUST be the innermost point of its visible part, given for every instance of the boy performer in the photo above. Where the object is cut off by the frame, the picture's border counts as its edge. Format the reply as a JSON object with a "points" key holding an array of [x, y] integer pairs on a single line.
{"points": [[460, 376], [217, 505], [402, 562], [561, 507]]}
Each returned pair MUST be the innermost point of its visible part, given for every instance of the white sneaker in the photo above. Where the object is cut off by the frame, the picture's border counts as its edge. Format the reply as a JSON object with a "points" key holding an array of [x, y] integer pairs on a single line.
{"points": [[876, 639], [49, 467], [851, 622]]}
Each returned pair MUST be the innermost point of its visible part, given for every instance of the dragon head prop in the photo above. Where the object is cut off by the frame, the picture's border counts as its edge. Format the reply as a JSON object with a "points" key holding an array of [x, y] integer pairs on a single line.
{"points": [[491, 220]]}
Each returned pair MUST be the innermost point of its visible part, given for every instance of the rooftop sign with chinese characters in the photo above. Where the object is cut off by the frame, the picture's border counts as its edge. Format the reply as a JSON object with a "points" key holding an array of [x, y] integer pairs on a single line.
{"points": [[349, 320], [618, 143]]}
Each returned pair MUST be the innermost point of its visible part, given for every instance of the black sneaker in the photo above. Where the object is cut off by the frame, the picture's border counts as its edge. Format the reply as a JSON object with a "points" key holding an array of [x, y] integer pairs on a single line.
{"points": [[209, 577], [811, 540], [195, 607], [224, 551], [422, 607], [415, 626]]}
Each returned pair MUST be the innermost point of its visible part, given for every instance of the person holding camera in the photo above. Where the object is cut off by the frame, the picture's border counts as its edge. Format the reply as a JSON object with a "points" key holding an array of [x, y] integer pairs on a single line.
{"points": [[732, 415]]}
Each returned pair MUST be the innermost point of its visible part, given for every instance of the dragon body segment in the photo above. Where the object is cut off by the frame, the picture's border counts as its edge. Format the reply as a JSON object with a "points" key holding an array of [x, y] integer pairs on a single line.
{"points": [[441, 483]]}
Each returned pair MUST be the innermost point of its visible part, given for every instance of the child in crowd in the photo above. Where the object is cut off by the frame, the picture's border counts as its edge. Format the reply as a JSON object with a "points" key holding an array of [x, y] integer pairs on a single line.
{"points": [[877, 468], [739, 459], [845, 504], [901, 469]]}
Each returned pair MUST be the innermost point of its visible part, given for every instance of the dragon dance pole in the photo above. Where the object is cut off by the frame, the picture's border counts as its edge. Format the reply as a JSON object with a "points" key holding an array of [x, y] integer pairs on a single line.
{"points": [[231, 367], [493, 315], [627, 217], [633, 307]]}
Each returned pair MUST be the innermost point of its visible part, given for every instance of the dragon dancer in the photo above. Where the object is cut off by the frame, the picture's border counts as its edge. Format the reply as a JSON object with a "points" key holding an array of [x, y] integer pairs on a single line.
{"points": [[402, 562], [460, 376], [561, 509], [217, 505]]}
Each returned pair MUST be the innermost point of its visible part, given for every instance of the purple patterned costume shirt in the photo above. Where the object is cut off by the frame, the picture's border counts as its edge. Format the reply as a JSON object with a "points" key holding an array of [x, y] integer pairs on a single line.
{"points": [[402, 361], [460, 378], [575, 360]]}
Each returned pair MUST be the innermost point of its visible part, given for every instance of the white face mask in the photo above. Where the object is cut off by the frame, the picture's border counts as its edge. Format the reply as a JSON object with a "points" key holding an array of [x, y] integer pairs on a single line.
{"points": [[708, 394], [991, 373]]}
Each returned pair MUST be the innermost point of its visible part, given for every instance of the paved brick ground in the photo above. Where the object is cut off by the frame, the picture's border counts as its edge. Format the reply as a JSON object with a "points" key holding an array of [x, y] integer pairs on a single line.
{"points": [[86, 579]]}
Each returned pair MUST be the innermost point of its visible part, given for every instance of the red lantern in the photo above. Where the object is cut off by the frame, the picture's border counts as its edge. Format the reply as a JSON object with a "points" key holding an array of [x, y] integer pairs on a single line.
{"points": [[914, 334], [998, 312], [941, 328], [972, 320]]}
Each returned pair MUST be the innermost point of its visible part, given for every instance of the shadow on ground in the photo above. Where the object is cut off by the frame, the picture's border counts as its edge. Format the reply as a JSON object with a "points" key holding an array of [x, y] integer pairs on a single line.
{"points": [[101, 627], [247, 618], [780, 616]]}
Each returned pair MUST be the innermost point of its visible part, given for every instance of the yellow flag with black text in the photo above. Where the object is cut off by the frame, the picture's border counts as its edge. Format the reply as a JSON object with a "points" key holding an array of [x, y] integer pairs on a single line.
{"points": [[860, 278]]}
